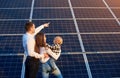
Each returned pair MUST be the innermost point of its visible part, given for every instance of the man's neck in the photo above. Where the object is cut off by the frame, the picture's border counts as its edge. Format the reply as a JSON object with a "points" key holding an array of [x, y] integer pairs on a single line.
{"points": [[30, 32]]}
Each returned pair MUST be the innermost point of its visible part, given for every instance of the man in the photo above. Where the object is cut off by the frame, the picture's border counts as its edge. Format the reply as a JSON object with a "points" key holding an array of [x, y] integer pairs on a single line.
{"points": [[32, 60]]}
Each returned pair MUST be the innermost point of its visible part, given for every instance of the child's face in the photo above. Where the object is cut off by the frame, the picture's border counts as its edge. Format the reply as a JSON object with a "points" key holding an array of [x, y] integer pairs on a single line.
{"points": [[58, 40]]}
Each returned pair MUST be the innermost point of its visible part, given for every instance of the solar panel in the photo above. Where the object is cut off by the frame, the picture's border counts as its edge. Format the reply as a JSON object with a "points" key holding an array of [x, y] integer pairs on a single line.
{"points": [[14, 13], [104, 65], [98, 26], [70, 66], [113, 3], [101, 42], [70, 42], [117, 12], [10, 66], [51, 3], [51, 13], [11, 44], [57, 26], [87, 3], [15, 3], [12, 27], [92, 13]]}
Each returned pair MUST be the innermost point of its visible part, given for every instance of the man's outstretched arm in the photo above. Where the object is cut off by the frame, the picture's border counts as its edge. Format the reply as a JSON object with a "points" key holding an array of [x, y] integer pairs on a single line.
{"points": [[39, 28]]}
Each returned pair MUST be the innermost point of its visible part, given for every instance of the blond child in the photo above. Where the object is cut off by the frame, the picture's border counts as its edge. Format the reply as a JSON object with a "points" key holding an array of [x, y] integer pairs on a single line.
{"points": [[56, 48]]}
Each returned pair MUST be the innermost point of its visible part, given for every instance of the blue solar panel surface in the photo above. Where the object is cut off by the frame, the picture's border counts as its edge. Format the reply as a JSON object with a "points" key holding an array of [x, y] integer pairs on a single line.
{"points": [[10, 66], [87, 3], [51, 3], [15, 3], [101, 42], [11, 44], [51, 13], [12, 27], [92, 13], [90, 30], [98, 26], [14, 13], [104, 65]]}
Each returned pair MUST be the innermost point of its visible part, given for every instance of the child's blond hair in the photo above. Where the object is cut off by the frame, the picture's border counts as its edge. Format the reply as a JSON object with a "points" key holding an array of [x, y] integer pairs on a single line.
{"points": [[58, 40]]}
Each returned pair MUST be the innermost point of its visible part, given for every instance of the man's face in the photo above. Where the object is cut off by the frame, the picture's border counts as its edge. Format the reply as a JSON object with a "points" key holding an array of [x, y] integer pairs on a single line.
{"points": [[33, 29]]}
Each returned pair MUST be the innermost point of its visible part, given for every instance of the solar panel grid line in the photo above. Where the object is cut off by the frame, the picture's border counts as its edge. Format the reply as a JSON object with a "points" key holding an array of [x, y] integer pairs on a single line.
{"points": [[95, 18], [102, 33], [69, 7], [76, 18], [23, 67], [89, 7], [80, 41], [53, 19], [115, 7], [31, 13], [13, 8], [51, 7], [45, 33], [60, 19], [97, 52], [12, 54], [111, 12], [63, 8], [76, 26], [13, 19], [37, 19], [65, 33], [61, 33], [72, 19], [66, 53]]}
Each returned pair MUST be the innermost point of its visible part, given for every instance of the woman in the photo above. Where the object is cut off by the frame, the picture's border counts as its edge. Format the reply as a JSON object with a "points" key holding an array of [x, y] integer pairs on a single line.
{"points": [[40, 47]]}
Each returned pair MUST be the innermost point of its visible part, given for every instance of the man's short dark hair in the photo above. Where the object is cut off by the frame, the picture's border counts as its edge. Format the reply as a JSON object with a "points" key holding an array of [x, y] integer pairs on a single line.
{"points": [[28, 25]]}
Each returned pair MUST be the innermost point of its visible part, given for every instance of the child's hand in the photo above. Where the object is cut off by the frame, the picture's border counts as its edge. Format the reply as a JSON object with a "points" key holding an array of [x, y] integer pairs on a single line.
{"points": [[46, 55], [46, 48]]}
